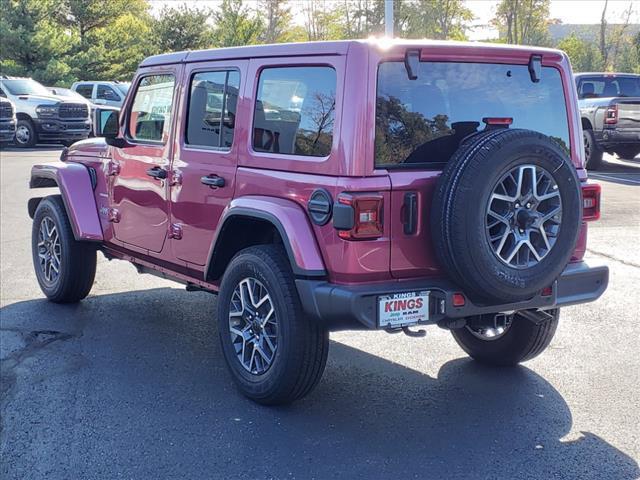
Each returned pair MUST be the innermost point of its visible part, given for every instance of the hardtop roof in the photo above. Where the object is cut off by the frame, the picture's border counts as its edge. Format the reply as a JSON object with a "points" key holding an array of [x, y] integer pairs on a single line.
{"points": [[327, 48]]}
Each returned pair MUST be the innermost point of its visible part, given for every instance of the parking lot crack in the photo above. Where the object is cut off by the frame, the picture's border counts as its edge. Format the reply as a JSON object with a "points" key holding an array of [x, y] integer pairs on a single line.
{"points": [[611, 257]]}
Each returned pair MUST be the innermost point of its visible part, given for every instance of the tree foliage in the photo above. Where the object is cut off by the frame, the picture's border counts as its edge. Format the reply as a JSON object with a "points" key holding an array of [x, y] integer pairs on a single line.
{"points": [[524, 22], [182, 28], [235, 24], [60, 41]]}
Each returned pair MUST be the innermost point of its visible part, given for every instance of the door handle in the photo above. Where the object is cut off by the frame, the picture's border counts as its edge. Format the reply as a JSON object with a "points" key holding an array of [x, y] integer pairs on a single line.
{"points": [[213, 181], [157, 172]]}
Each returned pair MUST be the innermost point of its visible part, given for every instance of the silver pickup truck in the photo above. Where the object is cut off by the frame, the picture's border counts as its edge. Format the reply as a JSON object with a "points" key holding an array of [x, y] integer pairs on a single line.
{"points": [[610, 110]]}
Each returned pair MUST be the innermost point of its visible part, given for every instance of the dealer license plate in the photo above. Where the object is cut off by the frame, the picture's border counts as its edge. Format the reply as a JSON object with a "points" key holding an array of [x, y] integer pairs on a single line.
{"points": [[403, 309]]}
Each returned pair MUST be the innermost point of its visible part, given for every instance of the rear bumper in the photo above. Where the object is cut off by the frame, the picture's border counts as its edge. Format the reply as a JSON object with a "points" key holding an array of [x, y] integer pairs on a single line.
{"points": [[356, 307], [610, 138]]}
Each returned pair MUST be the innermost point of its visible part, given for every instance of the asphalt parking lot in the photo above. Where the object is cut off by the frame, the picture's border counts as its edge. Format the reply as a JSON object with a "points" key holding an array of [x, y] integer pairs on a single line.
{"points": [[131, 382]]}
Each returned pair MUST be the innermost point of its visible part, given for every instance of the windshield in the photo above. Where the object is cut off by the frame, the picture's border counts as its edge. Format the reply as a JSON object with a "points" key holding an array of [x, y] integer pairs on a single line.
{"points": [[423, 121], [123, 87], [608, 86], [24, 86]]}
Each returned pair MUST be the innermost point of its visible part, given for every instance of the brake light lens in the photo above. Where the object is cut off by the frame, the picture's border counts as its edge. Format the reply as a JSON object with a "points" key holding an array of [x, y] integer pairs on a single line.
{"points": [[367, 216], [611, 115], [590, 202]]}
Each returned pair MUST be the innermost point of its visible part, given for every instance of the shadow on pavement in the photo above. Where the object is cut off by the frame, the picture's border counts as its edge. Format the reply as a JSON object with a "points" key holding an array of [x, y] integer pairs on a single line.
{"points": [[134, 384]]}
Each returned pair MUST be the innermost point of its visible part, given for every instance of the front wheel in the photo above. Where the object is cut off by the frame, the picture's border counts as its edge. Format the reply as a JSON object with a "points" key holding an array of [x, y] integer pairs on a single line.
{"points": [[275, 353], [26, 136], [506, 340], [65, 268]]}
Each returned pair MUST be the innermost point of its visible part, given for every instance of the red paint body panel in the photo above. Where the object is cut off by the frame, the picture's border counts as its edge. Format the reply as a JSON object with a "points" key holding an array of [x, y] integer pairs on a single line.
{"points": [[278, 184], [74, 183], [293, 220]]}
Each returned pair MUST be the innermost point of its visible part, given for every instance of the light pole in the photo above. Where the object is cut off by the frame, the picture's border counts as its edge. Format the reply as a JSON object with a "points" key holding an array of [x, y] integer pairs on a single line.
{"points": [[388, 18]]}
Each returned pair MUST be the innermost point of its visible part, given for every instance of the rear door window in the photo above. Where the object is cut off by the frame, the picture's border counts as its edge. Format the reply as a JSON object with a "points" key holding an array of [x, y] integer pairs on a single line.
{"points": [[150, 116], [295, 111], [212, 108], [105, 92], [420, 123], [85, 90]]}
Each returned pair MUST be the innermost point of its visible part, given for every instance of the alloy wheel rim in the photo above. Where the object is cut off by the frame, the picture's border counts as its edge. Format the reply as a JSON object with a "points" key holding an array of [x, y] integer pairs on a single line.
{"points": [[523, 216], [494, 330], [49, 250], [23, 135], [253, 326]]}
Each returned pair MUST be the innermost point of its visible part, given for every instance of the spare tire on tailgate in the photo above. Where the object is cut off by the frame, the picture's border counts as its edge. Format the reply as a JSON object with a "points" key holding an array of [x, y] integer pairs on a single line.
{"points": [[506, 214]]}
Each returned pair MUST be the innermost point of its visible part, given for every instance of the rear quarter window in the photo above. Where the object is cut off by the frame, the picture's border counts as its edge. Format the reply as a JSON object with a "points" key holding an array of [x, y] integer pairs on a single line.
{"points": [[420, 123], [295, 111]]}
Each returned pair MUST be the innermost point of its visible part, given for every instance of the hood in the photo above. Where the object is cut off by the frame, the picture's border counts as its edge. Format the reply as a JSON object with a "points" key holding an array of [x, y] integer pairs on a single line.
{"points": [[40, 99]]}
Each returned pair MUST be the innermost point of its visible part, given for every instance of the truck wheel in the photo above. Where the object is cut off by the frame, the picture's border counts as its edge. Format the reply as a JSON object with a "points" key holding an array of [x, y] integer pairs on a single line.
{"points": [[628, 153], [592, 152], [65, 268], [26, 136], [506, 341], [275, 353], [506, 214]]}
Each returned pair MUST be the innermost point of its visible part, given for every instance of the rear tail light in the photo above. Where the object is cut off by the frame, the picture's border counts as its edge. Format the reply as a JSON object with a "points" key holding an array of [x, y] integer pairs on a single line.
{"points": [[611, 115], [590, 201], [358, 216]]}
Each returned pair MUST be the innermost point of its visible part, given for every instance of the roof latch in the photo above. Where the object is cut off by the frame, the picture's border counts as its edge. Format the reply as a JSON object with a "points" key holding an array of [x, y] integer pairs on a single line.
{"points": [[535, 68], [412, 63]]}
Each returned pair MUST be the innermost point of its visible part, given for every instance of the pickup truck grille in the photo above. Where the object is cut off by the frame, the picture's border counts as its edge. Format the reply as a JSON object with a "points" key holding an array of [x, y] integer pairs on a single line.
{"points": [[6, 111], [73, 110]]}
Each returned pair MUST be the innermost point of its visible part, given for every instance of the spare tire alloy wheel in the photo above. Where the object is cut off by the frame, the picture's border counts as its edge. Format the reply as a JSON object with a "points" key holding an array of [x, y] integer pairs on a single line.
{"points": [[524, 216], [506, 215], [253, 326]]}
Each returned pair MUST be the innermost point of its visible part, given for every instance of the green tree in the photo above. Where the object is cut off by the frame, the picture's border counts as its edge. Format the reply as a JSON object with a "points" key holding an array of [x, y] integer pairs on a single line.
{"points": [[235, 24], [585, 56], [439, 19], [278, 25], [524, 22], [32, 42], [182, 28]]}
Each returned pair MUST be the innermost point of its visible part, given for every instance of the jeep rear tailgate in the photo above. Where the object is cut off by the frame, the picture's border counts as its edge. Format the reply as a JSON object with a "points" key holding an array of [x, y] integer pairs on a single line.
{"points": [[421, 122]]}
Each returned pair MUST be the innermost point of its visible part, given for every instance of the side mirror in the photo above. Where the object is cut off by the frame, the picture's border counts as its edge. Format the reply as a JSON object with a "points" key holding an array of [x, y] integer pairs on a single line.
{"points": [[106, 124]]}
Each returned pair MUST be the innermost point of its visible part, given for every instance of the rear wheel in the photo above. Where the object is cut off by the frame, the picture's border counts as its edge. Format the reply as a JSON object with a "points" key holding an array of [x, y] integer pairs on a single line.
{"points": [[628, 153], [506, 339], [275, 353], [592, 152], [26, 136], [65, 268]]}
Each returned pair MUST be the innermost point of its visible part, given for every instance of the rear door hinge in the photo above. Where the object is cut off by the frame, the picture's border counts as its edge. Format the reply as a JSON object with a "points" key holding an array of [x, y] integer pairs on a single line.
{"points": [[175, 231], [113, 215], [113, 168]]}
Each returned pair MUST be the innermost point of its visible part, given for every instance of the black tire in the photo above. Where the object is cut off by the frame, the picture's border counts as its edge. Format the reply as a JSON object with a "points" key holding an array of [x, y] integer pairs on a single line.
{"points": [[31, 138], [77, 267], [592, 151], [628, 153], [460, 208], [522, 341], [302, 343]]}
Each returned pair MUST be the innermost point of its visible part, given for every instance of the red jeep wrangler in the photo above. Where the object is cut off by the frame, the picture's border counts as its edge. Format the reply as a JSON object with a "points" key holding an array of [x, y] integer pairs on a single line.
{"points": [[342, 185]]}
